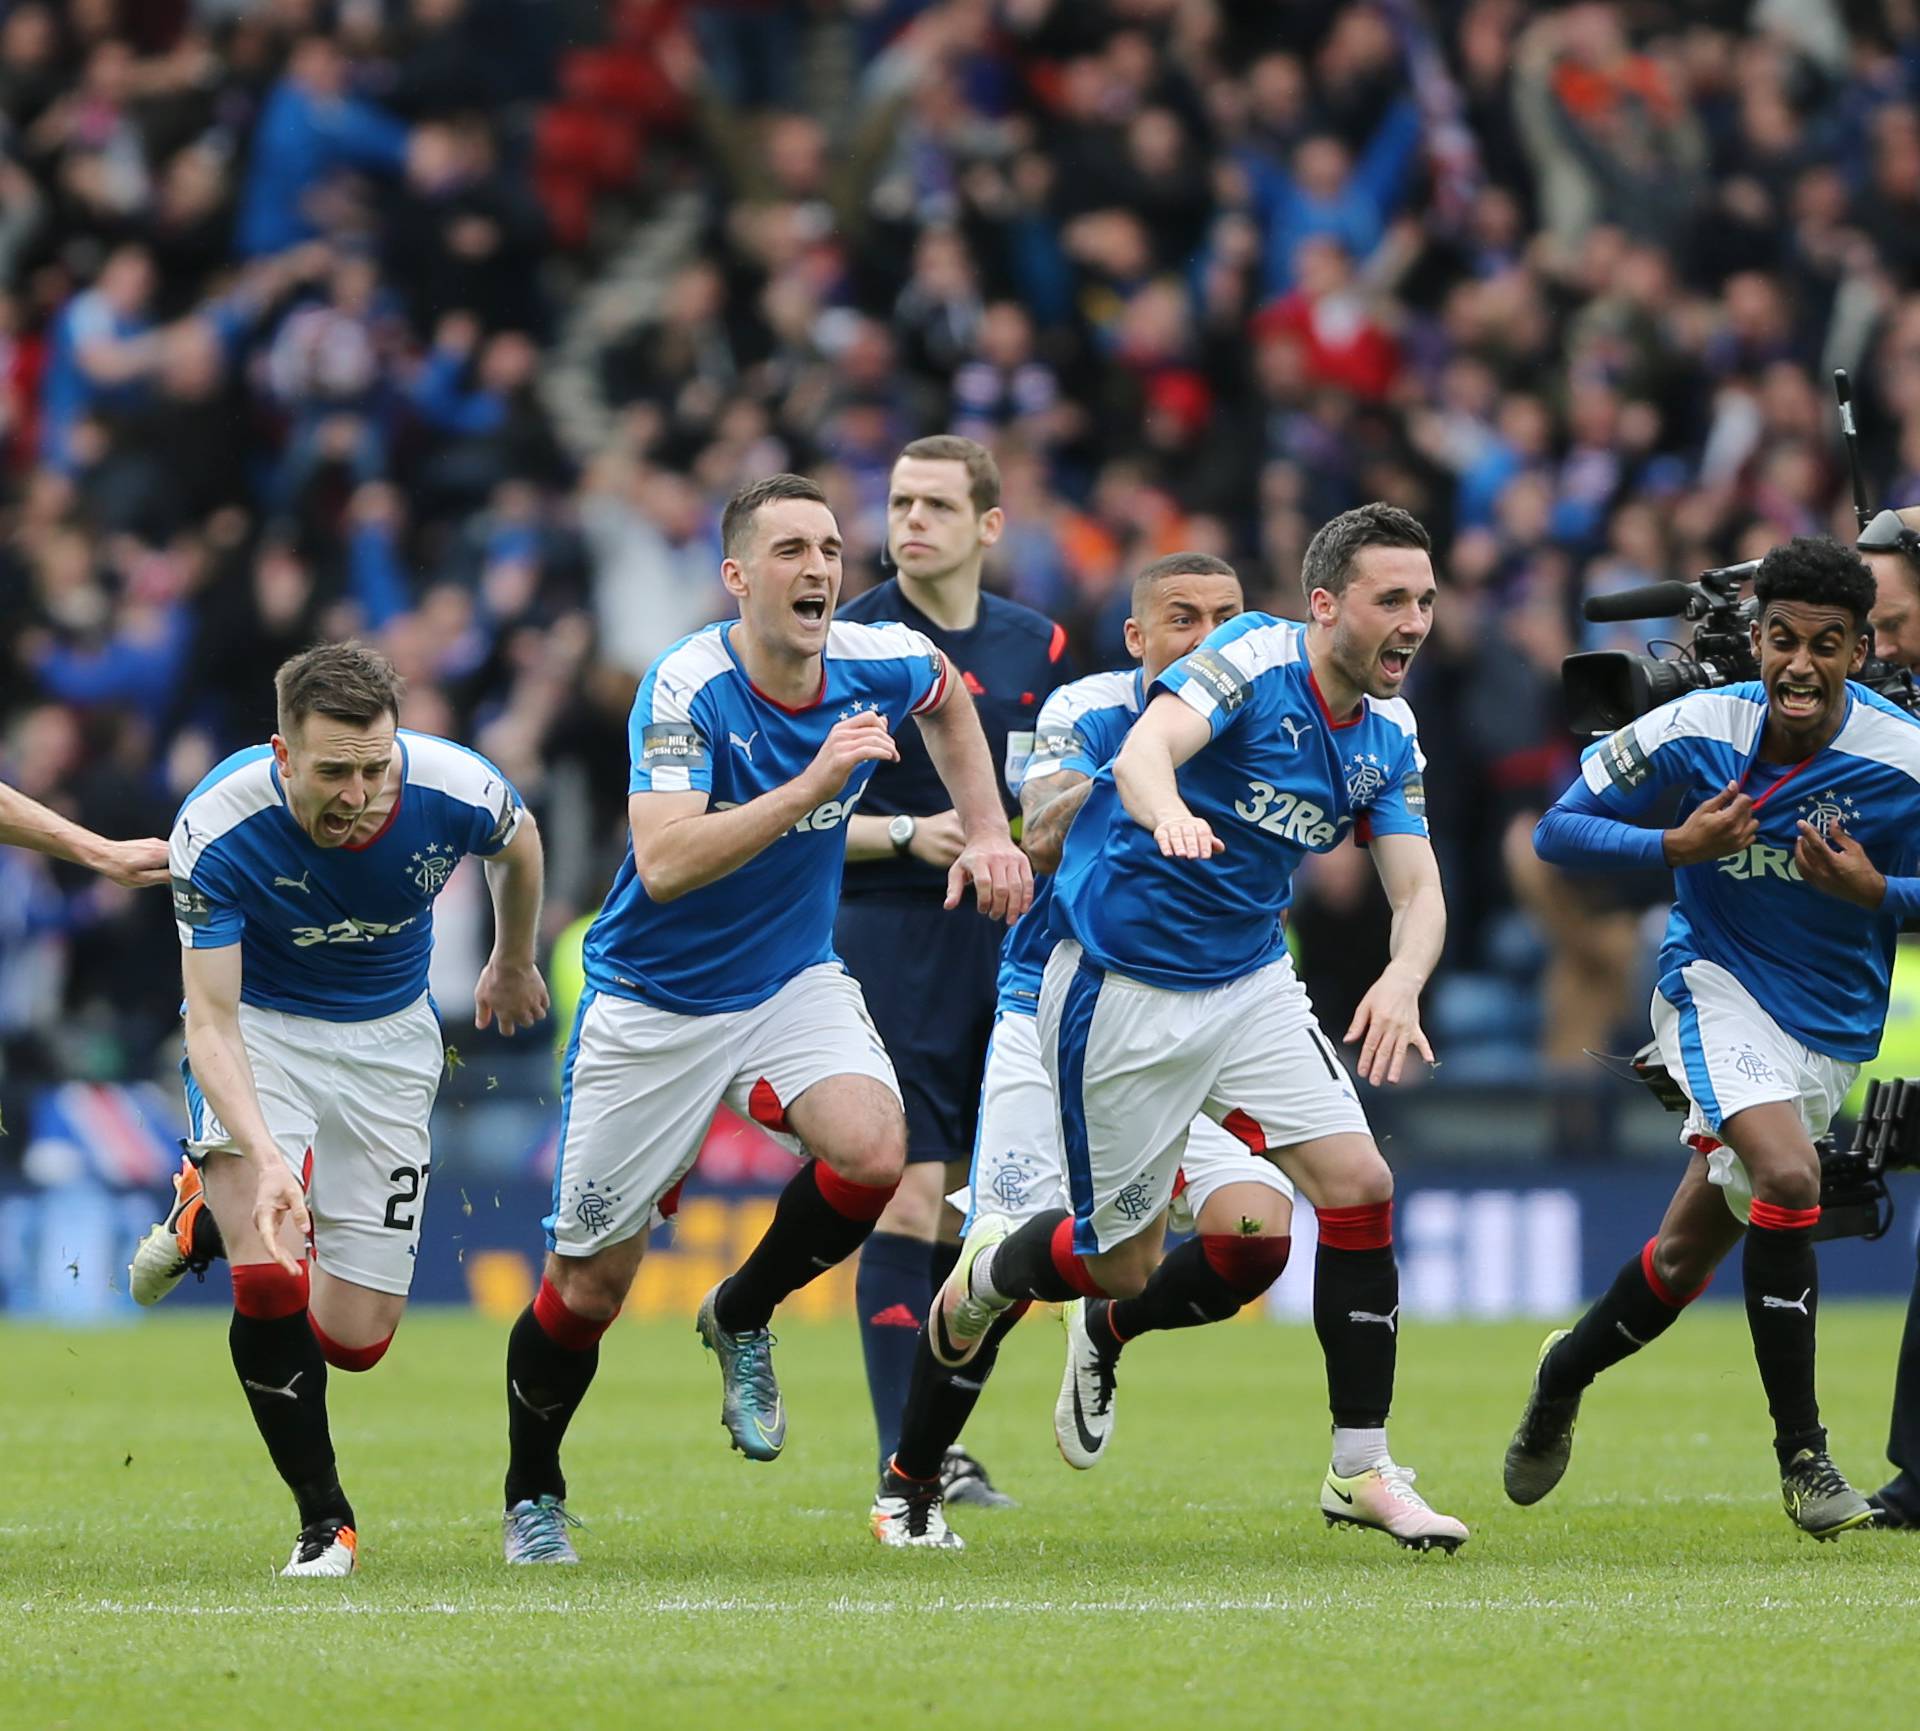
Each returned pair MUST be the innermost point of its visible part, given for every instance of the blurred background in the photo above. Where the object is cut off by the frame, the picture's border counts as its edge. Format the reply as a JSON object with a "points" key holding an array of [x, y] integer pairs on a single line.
{"points": [[451, 323]]}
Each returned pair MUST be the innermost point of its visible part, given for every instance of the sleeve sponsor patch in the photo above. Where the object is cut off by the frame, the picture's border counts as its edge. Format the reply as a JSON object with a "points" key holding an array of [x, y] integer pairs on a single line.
{"points": [[1057, 744], [1413, 790], [190, 905], [1626, 763], [1217, 676], [1019, 755], [664, 743], [504, 826]]}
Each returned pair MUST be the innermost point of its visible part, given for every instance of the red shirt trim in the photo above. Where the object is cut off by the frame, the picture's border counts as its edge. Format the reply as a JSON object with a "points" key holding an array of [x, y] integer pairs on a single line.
{"points": [[726, 642], [398, 799], [792, 708], [1353, 720]]}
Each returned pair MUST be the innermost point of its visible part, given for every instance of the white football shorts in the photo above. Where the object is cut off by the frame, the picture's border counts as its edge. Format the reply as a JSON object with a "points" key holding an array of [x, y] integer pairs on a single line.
{"points": [[1132, 1065], [1017, 1167], [641, 1084], [348, 1105], [1727, 1054]]}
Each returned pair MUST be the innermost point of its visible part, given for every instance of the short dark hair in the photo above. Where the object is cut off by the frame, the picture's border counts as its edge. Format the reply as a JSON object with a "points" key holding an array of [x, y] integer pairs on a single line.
{"points": [[736, 522], [342, 681], [1178, 565], [983, 473], [1817, 569], [1328, 562]]}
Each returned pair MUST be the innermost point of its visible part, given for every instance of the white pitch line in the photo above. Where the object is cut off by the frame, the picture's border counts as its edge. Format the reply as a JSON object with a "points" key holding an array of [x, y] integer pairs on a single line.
{"points": [[847, 1607]]}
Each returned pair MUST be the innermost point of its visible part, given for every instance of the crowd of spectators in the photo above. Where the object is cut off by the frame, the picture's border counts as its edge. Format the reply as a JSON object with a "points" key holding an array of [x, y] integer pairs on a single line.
{"points": [[283, 280]]}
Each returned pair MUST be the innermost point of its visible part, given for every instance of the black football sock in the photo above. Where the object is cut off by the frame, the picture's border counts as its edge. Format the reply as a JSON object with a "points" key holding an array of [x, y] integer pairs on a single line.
{"points": [[284, 1378], [891, 1290], [1356, 1312], [552, 1355], [1782, 1279], [1633, 1312], [1035, 1261], [942, 1397], [1207, 1279], [820, 1220]]}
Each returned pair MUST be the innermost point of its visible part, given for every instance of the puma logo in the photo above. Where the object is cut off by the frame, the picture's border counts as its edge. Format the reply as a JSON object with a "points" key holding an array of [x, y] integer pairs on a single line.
{"points": [[538, 1411], [1627, 1334], [1769, 1302], [746, 744], [268, 1388], [1391, 1320], [1295, 731], [300, 883]]}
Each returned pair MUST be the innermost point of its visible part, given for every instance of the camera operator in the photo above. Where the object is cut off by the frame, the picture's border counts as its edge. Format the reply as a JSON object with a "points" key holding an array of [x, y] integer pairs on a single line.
{"points": [[1801, 794], [1896, 587], [1895, 564]]}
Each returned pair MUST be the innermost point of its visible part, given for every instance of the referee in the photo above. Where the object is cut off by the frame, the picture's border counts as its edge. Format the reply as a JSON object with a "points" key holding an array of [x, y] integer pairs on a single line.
{"points": [[929, 974]]}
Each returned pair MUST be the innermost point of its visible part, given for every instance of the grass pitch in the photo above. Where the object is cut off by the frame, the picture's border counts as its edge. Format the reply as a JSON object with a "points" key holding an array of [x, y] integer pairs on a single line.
{"points": [[1189, 1581]]}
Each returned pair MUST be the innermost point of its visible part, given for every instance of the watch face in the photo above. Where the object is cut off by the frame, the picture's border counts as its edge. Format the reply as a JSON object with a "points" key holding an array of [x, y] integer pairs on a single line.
{"points": [[900, 831]]}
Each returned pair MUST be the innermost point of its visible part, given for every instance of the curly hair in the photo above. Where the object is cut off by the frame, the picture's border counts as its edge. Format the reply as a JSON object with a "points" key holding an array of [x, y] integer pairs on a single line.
{"points": [[1817, 569]]}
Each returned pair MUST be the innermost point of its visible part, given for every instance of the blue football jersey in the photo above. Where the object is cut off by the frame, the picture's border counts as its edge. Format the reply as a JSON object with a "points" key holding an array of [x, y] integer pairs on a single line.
{"points": [[1079, 728], [1816, 964], [338, 933], [699, 725], [1279, 779]]}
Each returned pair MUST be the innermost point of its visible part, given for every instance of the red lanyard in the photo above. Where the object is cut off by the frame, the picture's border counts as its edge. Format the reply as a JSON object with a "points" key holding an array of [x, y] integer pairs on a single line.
{"points": [[1776, 786]]}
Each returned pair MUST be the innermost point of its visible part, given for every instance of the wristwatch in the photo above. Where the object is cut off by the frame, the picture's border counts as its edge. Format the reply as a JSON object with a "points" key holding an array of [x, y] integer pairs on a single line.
{"points": [[900, 832]]}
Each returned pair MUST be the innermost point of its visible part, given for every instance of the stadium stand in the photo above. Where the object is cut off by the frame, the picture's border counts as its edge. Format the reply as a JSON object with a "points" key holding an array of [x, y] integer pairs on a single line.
{"points": [[450, 322]]}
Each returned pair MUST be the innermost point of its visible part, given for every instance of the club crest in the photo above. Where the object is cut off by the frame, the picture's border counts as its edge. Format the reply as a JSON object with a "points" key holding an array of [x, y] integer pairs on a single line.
{"points": [[1366, 776], [1824, 810], [430, 869]]}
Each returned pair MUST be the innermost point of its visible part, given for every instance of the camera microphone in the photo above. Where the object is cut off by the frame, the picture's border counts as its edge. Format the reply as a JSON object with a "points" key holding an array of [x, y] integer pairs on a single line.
{"points": [[1850, 438], [1646, 601]]}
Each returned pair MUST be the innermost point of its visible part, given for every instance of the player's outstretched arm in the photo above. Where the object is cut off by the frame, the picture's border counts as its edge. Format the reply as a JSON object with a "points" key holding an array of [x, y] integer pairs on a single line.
{"points": [[511, 991], [27, 823], [680, 846], [1161, 740], [217, 1052], [1048, 806], [1387, 1020], [1001, 877]]}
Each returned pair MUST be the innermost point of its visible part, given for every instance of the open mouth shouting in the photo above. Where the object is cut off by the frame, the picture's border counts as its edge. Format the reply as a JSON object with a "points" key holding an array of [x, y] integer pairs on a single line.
{"points": [[811, 609], [336, 826], [1799, 699], [1394, 661]]}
